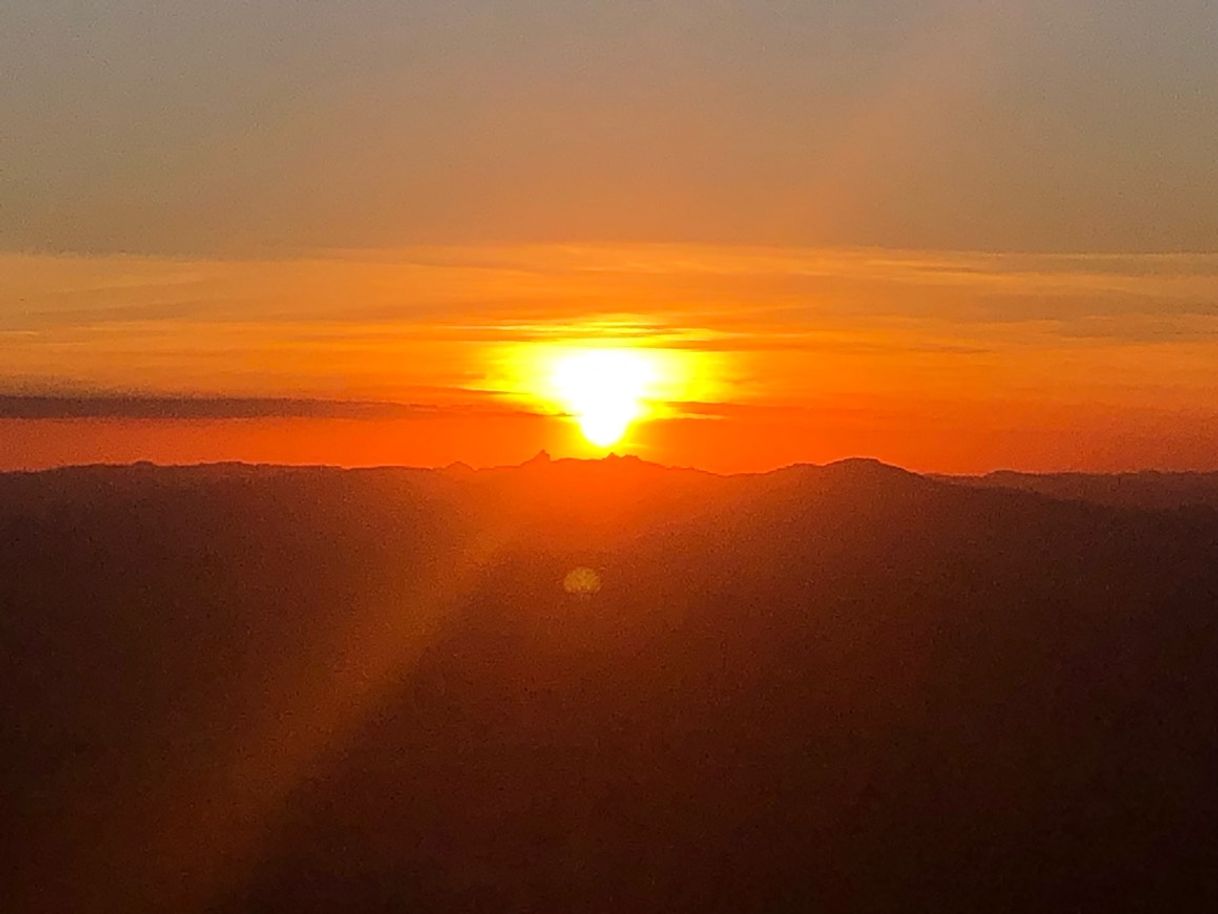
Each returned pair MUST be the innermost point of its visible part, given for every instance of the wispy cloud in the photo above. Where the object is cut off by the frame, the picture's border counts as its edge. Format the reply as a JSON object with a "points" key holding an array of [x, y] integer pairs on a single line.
{"points": [[381, 325], [206, 408]]}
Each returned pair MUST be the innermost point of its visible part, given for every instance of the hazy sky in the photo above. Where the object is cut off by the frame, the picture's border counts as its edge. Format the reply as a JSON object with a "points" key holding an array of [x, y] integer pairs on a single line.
{"points": [[955, 235], [193, 127], [932, 360]]}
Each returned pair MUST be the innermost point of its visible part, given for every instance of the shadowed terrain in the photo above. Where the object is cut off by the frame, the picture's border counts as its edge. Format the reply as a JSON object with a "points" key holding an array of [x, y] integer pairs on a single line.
{"points": [[1147, 489], [241, 689]]}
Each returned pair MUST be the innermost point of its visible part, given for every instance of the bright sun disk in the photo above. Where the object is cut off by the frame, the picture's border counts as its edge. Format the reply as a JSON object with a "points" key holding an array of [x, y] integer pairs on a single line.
{"points": [[604, 389]]}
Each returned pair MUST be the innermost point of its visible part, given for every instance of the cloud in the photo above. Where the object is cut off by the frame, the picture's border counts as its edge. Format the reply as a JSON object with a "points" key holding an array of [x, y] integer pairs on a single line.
{"points": [[209, 408], [438, 324], [500, 286]]}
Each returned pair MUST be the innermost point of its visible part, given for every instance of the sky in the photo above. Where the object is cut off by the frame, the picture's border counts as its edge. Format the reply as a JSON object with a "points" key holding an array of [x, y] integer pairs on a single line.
{"points": [[952, 235]]}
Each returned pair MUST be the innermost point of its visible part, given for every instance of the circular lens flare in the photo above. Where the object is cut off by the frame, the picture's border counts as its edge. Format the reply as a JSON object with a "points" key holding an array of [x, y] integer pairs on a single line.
{"points": [[581, 582]]}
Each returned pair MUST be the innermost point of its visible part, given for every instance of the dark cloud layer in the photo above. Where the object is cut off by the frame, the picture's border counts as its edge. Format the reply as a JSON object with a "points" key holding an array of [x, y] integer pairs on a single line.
{"points": [[140, 407]]}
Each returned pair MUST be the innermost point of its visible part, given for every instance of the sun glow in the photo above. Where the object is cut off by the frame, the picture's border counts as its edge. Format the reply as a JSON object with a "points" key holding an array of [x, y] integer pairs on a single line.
{"points": [[604, 385], [605, 389]]}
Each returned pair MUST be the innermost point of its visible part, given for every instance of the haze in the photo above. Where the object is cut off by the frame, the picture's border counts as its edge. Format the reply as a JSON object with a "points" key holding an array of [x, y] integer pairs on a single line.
{"points": [[394, 202], [608, 457]]}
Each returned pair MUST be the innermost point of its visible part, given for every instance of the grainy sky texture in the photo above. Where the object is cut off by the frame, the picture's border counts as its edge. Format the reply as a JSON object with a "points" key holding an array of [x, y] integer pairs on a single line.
{"points": [[955, 235], [187, 127]]}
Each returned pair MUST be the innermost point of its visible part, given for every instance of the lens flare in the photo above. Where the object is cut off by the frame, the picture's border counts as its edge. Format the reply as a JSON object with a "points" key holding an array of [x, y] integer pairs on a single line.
{"points": [[581, 582]]}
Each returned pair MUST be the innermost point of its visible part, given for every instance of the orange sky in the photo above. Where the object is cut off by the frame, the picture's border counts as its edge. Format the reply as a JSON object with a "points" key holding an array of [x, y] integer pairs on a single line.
{"points": [[936, 361], [413, 202]]}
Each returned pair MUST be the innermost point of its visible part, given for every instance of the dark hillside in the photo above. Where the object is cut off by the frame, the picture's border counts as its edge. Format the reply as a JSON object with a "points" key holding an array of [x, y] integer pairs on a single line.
{"points": [[843, 688]]}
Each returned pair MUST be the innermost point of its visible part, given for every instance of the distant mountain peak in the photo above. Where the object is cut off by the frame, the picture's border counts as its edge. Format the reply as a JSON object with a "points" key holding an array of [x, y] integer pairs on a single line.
{"points": [[866, 465], [541, 458]]}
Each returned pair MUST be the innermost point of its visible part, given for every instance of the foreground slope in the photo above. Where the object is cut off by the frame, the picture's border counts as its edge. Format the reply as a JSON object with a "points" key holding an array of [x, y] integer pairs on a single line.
{"points": [[242, 689]]}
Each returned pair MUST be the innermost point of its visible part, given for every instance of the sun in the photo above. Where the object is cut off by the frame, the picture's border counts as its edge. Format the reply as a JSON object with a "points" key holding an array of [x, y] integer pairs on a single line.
{"points": [[603, 384], [605, 390]]}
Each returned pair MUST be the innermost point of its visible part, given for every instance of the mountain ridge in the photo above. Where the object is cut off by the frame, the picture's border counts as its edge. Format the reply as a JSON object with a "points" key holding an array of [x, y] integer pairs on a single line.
{"points": [[1144, 489], [253, 691]]}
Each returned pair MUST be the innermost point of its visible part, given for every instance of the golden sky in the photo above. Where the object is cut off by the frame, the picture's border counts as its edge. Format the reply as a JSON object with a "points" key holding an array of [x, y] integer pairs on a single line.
{"points": [[934, 360], [954, 234]]}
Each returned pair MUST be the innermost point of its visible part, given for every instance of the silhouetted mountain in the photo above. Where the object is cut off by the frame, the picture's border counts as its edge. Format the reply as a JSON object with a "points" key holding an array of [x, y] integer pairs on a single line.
{"points": [[1146, 489], [242, 689]]}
